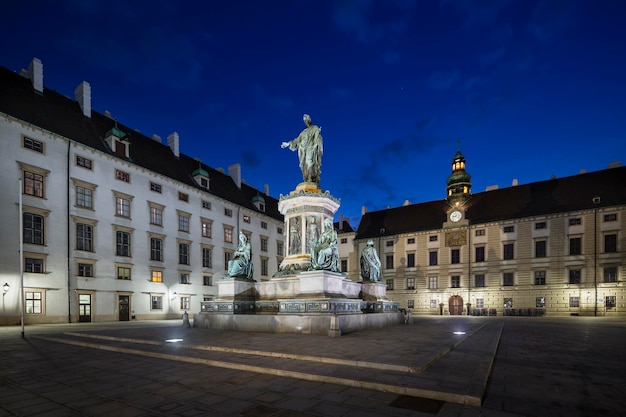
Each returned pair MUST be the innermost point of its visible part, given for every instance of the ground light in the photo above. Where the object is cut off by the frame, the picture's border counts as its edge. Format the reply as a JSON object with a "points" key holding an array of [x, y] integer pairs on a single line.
{"points": [[173, 340], [458, 332]]}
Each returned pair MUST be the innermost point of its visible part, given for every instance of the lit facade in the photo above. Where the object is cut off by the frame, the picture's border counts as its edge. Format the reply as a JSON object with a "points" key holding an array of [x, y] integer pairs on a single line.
{"points": [[116, 225], [554, 247]]}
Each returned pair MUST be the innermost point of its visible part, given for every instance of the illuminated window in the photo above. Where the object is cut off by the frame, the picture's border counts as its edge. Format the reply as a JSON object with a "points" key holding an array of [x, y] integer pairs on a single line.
{"points": [[228, 235], [432, 283], [156, 216], [156, 276], [206, 228], [540, 302], [33, 302], [185, 302], [246, 219], [410, 283], [122, 207], [183, 197], [122, 176]]}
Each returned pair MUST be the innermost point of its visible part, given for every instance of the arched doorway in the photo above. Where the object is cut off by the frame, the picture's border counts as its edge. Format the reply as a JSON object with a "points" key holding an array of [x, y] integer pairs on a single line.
{"points": [[455, 305]]}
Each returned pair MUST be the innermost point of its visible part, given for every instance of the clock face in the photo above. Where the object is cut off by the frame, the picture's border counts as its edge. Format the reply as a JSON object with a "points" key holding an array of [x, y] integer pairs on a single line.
{"points": [[455, 216]]}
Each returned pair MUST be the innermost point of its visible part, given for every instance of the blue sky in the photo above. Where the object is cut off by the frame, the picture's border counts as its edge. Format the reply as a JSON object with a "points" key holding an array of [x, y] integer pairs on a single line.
{"points": [[531, 88]]}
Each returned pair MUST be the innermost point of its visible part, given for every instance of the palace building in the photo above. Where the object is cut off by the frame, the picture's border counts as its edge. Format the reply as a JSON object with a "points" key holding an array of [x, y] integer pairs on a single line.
{"points": [[554, 247], [115, 225]]}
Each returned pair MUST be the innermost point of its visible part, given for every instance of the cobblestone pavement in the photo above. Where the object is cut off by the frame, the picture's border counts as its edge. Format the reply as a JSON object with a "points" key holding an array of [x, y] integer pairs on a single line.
{"points": [[494, 366]]}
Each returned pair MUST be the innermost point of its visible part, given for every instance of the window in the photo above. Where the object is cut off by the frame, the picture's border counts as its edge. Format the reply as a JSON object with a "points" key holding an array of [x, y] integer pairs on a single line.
{"points": [[33, 228], [410, 283], [263, 225], [410, 260], [432, 283], [508, 279], [156, 276], [228, 212], [228, 256], [389, 262], [540, 277], [279, 248], [156, 249], [33, 145], [122, 176], [540, 225], [344, 265], [480, 253], [279, 230], [575, 221], [183, 222], [207, 257], [33, 302], [185, 302], [156, 215], [155, 187], [410, 241], [389, 243], [432, 238], [432, 257], [264, 244], [508, 251], [206, 204], [574, 276], [246, 219], [228, 235], [574, 246], [540, 302], [207, 280], [84, 197], [123, 272], [574, 302], [540, 249], [410, 304], [480, 303], [183, 197], [479, 280], [610, 274], [33, 184], [264, 267], [123, 243], [610, 217], [34, 265], [85, 270], [183, 253], [455, 281], [206, 228], [122, 207], [389, 283], [84, 162], [480, 232], [455, 256], [610, 301], [157, 302], [508, 303], [508, 229], [433, 303], [184, 278], [84, 237], [344, 240], [610, 243]]}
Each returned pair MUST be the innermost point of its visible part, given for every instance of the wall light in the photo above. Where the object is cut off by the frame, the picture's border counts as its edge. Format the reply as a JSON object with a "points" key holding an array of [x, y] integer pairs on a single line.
{"points": [[6, 287]]}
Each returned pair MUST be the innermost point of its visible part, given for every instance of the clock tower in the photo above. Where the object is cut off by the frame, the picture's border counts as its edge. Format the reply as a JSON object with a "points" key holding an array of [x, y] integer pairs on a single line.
{"points": [[458, 190]]}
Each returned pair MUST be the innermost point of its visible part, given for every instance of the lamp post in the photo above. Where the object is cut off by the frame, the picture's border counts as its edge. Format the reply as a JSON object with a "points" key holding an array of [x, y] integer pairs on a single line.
{"points": [[5, 289], [21, 254]]}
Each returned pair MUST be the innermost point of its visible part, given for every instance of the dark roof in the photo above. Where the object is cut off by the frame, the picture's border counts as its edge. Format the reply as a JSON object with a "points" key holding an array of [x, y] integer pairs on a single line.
{"points": [[343, 226], [553, 196], [61, 115]]}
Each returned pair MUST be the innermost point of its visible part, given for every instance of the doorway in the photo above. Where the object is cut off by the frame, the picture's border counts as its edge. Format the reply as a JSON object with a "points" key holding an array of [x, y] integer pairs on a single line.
{"points": [[124, 307], [84, 308], [455, 305]]}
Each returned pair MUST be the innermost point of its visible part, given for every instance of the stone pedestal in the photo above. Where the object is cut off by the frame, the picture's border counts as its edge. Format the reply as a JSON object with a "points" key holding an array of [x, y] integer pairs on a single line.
{"points": [[374, 291], [235, 296], [305, 210]]}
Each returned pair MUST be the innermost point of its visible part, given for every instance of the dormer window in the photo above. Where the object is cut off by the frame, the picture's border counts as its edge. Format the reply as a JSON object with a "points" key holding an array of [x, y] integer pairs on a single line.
{"points": [[201, 176], [119, 142], [259, 202]]}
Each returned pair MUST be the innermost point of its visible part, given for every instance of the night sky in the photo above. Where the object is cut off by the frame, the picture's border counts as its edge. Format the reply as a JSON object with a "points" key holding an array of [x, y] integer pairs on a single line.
{"points": [[531, 88]]}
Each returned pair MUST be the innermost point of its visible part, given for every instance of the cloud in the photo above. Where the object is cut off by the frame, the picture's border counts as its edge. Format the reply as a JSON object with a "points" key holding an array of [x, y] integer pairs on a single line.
{"points": [[550, 18], [443, 80]]}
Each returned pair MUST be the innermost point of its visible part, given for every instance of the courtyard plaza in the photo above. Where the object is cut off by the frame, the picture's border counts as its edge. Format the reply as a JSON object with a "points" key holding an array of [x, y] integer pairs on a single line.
{"points": [[432, 366]]}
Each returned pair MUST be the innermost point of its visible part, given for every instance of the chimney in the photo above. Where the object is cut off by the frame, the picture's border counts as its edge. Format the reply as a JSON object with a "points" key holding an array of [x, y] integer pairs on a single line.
{"points": [[406, 203], [35, 73], [341, 223], [615, 164], [234, 171], [363, 210], [491, 187], [156, 138], [172, 142], [82, 94], [266, 189], [515, 182]]}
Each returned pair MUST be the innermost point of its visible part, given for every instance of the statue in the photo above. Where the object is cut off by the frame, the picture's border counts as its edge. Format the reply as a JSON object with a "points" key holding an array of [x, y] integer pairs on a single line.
{"points": [[370, 264], [295, 243], [241, 265], [309, 146], [313, 232], [324, 252]]}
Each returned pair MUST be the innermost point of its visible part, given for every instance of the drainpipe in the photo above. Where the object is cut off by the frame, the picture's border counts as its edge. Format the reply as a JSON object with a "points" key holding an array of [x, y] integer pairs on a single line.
{"points": [[595, 257], [69, 261], [469, 269]]}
